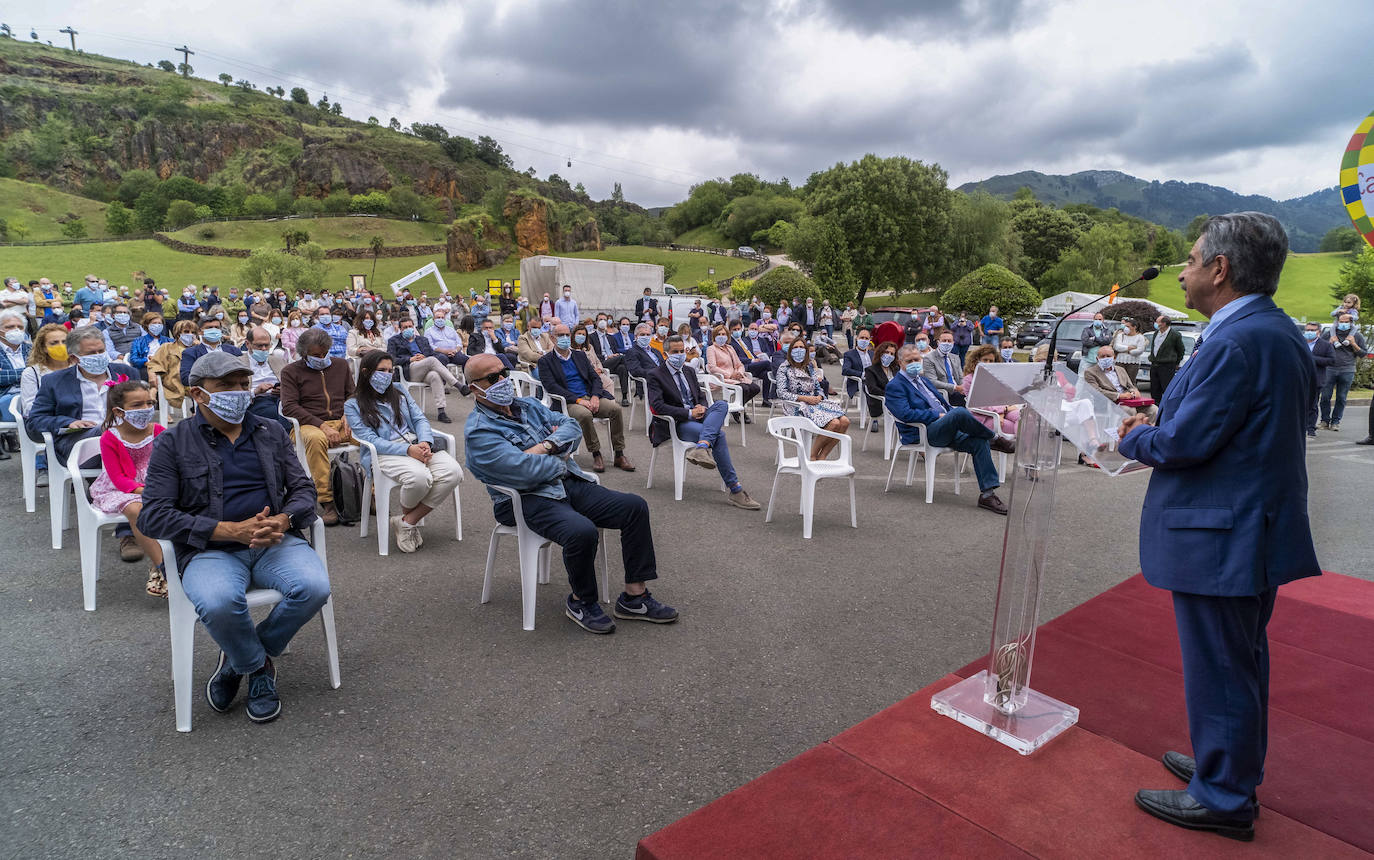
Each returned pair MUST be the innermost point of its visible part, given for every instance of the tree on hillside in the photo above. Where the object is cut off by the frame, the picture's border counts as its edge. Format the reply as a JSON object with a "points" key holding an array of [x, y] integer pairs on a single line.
{"points": [[294, 236], [259, 206], [894, 213], [180, 213], [266, 268], [394, 124], [1045, 234], [818, 245], [372, 120], [1102, 256], [225, 78], [119, 221], [186, 69], [429, 131], [74, 229], [149, 210], [336, 109], [1341, 239], [300, 96], [981, 232], [1167, 249], [166, 65], [1195, 229], [704, 204], [489, 151], [747, 215], [1357, 276], [375, 244]]}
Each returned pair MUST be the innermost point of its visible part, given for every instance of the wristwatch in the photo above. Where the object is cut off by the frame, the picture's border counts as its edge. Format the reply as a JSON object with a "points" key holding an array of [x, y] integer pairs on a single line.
{"points": [[548, 446]]}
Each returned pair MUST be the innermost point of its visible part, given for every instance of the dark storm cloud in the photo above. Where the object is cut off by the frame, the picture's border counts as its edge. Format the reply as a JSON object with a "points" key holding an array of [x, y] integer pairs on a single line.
{"points": [[951, 17]]}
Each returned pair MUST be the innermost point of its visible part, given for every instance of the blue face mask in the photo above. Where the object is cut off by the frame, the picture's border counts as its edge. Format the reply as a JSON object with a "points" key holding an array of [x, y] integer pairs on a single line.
{"points": [[212, 335], [381, 380], [502, 393], [121, 319], [154, 329], [1310, 335], [408, 334], [913, 369], [887, 359], [1343, 326], [317, 363], [798, 354], [721, 340], [676, 360], [260, 356], [643, 341], [581, 338], [94, 364], [1106, 363], [230, 406], [861, 344], [563, 342], [325, 319], [1006, 354]]}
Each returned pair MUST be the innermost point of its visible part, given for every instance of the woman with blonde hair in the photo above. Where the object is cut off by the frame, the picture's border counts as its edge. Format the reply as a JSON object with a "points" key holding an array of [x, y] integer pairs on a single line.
{"points": [[291, 333], [724, 362], [693, 347]]}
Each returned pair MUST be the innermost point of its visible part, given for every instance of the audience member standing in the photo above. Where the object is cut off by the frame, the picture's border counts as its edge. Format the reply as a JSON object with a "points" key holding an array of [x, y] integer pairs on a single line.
{"points": [[1166, 354], [1349, 346]]}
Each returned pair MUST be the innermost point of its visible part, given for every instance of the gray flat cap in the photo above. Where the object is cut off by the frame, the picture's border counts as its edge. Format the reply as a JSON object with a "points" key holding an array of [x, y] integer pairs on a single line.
{"points": [[217, 364]]}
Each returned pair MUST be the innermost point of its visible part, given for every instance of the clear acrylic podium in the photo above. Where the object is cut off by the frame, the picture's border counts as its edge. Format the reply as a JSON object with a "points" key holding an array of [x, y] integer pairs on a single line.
{"points": [[999, 701]]}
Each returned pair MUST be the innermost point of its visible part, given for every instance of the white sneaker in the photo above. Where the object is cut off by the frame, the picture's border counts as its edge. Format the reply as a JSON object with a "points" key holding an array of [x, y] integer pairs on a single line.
{"points": [[408, 537]]}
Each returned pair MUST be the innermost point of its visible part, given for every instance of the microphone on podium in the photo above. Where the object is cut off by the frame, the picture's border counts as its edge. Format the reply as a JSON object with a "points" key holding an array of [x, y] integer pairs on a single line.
{"points": [[1148, 275]]}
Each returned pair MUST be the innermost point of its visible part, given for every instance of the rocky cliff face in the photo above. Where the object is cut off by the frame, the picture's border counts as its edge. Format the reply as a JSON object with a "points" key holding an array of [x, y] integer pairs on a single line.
{"points": [[476, 242], [531, 218], [583, 237]]}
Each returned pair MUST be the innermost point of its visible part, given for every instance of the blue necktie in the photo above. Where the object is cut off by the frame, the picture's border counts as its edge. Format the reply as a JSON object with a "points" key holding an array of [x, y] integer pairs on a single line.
{"points": [[949, 372], [685, 389], [931, 399]]}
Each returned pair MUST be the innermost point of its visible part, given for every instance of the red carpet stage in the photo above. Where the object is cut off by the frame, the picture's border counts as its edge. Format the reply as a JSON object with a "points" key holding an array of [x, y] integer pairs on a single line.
{"points": [[908, 782]]}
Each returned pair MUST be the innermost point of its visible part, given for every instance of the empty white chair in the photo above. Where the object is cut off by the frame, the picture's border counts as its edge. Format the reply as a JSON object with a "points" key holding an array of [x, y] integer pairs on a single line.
{"points": [[796, 432], [679, 456], [375, 480], [920, 446], [639, 387], [28, 458], [182, 617], [733, 395], [535, 558], [90, 523], [58, 478], [856, 400], [889, 429]]}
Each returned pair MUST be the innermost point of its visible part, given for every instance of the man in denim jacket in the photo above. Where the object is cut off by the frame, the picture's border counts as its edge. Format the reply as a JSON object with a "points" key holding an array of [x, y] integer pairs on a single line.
{"points": [[226, 489], [519, 443]]}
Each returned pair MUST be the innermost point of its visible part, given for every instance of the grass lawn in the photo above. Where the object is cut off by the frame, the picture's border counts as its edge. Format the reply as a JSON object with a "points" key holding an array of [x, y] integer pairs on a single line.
{"points": [[705, 237], [329, 232], [118, 260], [38, 207], [1304, 287]]}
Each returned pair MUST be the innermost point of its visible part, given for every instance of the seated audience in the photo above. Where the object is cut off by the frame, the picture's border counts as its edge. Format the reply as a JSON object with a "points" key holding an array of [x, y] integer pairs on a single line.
{"points": [[211, 340], [535, 343], [412, 353], [154, 337], [1008, 416], [164, 364], [942, 369], [14, 357], [364, 336], [674, 391], [383, 414], [314, 390], [640, 356], [266, 365], [294, 327], [126, 446], [227, 490], [608, 347], [913, 400], [70, 403], [856, 361], [582, 341], [446, 339], [723, 361], [799, 386], [567, 373], [876, 377], [1112, 381], [522, 444]]}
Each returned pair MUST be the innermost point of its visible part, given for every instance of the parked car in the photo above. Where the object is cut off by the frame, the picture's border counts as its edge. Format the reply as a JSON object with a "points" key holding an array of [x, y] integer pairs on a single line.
{"points": [[746, 251], [1069, 345], [1032, 331]]}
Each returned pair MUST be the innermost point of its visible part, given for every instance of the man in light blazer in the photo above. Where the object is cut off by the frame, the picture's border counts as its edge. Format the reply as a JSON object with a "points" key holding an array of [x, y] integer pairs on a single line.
{"points": [[1111, 380], [941, 367]]}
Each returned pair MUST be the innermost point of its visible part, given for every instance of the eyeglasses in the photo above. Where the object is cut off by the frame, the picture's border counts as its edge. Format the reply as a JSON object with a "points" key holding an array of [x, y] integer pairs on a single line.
{"points": [[493, 378]]}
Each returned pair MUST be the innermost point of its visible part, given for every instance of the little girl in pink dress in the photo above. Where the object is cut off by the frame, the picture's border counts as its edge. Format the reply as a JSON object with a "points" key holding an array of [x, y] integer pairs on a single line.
{"points": [[125, 448]]}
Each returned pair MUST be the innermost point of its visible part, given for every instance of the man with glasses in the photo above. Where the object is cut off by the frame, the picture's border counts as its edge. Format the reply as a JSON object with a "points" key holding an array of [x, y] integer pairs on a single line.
{"points": [[518, 442]]}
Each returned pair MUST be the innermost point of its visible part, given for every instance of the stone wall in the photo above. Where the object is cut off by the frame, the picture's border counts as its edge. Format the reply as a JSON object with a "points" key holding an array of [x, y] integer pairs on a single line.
{"points": [[330, 254]]}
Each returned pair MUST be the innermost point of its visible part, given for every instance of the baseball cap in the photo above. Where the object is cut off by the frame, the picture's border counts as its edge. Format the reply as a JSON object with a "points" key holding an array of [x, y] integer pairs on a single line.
{"points": [[216, 365]]}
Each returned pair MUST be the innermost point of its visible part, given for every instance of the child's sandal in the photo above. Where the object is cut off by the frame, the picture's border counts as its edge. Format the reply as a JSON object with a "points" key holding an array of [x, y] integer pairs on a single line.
{"points": [[157, 583]]}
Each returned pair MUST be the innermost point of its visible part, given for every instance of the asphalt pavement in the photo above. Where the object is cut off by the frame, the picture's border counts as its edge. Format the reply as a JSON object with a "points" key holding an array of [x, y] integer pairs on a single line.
{"points": [[457, 734]]}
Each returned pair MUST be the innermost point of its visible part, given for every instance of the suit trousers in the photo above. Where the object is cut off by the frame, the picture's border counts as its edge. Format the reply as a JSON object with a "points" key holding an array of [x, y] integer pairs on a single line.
{"points": [[1160, 377], [1226, 683], [317, 455], [572, 523], [432, 372], [606, 408], [616, 364], [958, 429]]}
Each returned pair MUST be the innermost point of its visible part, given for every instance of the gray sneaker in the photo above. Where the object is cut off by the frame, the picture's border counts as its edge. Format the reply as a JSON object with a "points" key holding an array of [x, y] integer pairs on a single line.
{"points": [[701, 456], [742, 500]]}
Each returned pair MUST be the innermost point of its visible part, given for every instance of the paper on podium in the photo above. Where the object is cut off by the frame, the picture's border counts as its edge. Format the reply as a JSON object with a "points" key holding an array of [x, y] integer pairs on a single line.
{"points": [[1081, 414]]}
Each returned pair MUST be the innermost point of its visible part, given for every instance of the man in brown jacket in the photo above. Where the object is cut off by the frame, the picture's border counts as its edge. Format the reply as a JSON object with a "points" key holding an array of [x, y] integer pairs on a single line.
{"points": [[313, 391], [1112, 381]]}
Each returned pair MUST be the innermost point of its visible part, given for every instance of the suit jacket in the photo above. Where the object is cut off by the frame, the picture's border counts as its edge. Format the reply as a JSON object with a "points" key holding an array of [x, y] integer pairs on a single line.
{"points": [[529, 353], [194, 352], [1323, 355], [933, 368], [1170, 351], [904, 401], [767, 346], [666, 399], [1226, 510], [551, 376], [746, 352], [644, 302], [852, 364], [59, 402], [640, 362], [611, 339], [477, 344], [621, 343], [1097, 378], [876, 378]]}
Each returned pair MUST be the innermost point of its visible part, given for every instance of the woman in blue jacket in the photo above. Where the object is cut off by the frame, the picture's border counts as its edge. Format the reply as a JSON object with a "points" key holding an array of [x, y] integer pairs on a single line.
{"points": [[154, 335], [383, 414]]}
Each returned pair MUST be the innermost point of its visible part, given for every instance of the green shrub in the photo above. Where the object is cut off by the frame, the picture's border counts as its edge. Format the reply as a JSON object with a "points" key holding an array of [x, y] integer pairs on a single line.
{"points": [[74, 229], [741, 288], [119, 221], [784, 282], [180, 213], [707, 287], [991, 285], [207, 232], [1143, 313], [371, 203], [259, 206]]}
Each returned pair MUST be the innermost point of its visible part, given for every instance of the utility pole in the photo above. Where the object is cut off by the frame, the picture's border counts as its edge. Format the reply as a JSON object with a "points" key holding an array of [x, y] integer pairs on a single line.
{"points": [[70, 32], [185, 58]]}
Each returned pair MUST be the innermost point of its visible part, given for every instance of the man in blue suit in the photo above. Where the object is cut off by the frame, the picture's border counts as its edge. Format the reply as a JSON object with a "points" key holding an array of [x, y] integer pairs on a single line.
{"points": [[856, 361], [914, 400], [1225, 522]]}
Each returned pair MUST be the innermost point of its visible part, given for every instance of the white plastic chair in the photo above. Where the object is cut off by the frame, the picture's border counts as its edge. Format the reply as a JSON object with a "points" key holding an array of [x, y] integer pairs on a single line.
{"points": [[997, 423], [797, 432], [526, 385], [856, 400], [889, 429], [733, 395], [558, 403], [300, 443], [535, 558], [639, 388], [182, 617], [58, 478], [680, 449], [920, 446], [89, 522], [374, 478], [28, 458]]}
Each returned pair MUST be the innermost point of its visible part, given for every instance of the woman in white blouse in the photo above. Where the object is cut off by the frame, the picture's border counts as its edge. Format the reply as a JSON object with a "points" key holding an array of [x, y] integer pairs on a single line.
{"points": [[1130, 347]]}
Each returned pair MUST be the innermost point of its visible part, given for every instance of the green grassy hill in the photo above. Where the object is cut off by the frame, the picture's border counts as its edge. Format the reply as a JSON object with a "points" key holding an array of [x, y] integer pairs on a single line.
{"points": [[117, 261], [43, 210], [329, 232], [705, 237], [1304, 288]]}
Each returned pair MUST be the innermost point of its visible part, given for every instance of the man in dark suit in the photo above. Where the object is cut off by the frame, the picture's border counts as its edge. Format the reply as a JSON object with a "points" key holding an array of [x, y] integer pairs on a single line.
{"points": [[567, 373], [211, 340], [640, 358], [1323, 355], [646, 308], [674, 391], [1166, 353], [489, 340], [70, 403], [608, 352], [1224, 522], [856, 361]]}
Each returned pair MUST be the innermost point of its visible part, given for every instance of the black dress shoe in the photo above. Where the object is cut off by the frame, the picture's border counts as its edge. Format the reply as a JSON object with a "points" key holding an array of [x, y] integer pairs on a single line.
{"points": [[1368, 440], [1184, 766], [12, 443], [4, 455], [1179, 808]]}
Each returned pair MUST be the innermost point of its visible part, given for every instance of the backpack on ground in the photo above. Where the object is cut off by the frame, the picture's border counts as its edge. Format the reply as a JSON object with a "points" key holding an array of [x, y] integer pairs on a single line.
{"points": [[346, 479]]}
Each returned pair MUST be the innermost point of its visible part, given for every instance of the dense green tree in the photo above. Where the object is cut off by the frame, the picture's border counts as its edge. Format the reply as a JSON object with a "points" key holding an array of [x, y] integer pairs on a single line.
{"points": [[180, 213], [74, 229], [987, 286], [1045, 234], [225, 78], [894, 213], [1342, 239], [1167, 248], [183, 188], [119, 221], [149, 210], [336, 109], [372, 203], [489, 151], [338, 202], [704, 204], [394, 124], [460, 148], [745, 216], [134, 183], [309, 206], [259, 206], [267, 268], [300, 96], [819, 246], [167, 65], [981, 232], [1194, 229], [1101, 257], [1357, 276], [293, 236], [429, 131], [780, 234], [372, 120], [784, 282]]}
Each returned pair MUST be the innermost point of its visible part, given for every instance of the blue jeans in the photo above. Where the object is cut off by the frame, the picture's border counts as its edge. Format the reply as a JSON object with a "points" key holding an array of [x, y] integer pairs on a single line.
{"points": [[217, 581], [1337, 382], [708, 430], [5, 404], [958, 429]]}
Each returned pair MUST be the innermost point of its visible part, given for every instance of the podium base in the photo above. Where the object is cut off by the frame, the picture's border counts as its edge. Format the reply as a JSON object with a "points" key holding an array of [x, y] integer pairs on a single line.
{"points": [[1031, 727]]}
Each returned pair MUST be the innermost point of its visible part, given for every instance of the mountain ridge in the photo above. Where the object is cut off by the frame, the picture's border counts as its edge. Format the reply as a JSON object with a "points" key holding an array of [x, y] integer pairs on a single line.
{"points": [[1173, 203]]}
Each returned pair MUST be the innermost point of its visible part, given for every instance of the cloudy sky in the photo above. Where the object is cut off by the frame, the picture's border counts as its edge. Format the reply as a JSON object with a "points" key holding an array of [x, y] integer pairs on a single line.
{"points": [[1258, 97]]}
